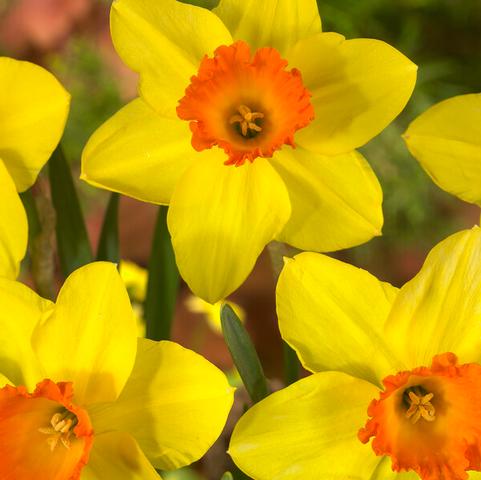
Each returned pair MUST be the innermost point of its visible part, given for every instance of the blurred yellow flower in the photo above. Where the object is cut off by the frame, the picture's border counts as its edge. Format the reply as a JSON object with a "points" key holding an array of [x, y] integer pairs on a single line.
{"points": [[82, 397], [135, 280], [250, 78], [400, 366], [212, 311], [446, 140], [33, 112]]}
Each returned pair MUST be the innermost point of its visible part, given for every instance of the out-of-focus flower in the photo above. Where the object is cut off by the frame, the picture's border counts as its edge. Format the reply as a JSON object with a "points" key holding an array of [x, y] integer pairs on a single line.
{"points": [[236, 86], [135, 279], [33, 111], [446, 140], [212, 311], [405, 363], [82, 397]]}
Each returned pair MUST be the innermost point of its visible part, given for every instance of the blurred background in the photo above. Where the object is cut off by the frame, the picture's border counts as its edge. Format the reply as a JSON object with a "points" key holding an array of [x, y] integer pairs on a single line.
{"points": [[71, 38]]}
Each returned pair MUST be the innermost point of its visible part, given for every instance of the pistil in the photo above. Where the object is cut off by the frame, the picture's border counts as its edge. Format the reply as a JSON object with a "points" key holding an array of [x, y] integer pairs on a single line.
{"points": [[60, 429], [247, 121], [420, 407]]}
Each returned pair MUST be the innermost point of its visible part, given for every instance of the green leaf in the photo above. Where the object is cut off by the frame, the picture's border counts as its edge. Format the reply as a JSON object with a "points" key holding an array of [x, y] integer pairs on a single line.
{"points": [[163, 283], [72, 240], [292, 366], [108, 249], [244, 354], [227, 476], [202, 3]]}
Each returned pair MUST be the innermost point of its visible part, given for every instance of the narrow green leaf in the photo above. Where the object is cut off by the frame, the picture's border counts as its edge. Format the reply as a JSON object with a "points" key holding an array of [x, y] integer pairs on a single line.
{"points": [[72, 240], [202, 3], [292, 367], [108, 249], [227, 476], [244, 354], [163, 283]]}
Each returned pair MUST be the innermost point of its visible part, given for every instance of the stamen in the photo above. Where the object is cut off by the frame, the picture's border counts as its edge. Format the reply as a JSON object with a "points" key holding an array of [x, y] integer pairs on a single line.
{"points": [[62, 425], [246, 120], [420, 407]]}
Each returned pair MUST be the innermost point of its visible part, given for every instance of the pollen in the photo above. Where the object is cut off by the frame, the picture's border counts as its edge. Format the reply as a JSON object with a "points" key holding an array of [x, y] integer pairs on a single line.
{"points": [[247, 103], [61, 428], [420, 406], [247, 121]]}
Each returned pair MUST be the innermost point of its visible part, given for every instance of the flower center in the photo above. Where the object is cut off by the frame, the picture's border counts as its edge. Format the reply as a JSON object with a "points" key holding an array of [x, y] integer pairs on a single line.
{"points": [[35, 429], [429, 420], [61, 428], [419, 404], [248, 105]]}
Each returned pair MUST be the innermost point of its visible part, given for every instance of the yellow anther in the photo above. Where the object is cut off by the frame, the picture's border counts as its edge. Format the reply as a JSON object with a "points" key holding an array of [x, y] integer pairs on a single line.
{"points": [[421, 407], [246, 118], [60, 429]]}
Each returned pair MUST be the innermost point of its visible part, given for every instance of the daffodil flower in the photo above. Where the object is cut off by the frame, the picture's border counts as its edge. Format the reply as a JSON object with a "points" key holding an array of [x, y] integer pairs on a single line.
{"points": [[446, 140], [82, 398], [33, 111], [224, 96], [400, 367]]}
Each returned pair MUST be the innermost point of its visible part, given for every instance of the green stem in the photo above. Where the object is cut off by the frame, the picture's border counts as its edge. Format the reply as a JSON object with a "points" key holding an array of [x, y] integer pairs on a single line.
{"points": [[163, 283], [108, 249]]}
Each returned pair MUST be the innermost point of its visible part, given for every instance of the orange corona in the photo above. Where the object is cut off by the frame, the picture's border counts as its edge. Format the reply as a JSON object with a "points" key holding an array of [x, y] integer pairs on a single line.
{"points": [[44, 436], [429, 420], [248, 105]]}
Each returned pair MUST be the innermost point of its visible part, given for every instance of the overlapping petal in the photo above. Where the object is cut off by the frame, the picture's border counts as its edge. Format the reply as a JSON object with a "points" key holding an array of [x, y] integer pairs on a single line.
{"points": [[138, 153], [90, 338], [307, 430], [336, 201], [13, 226], [21, 310], [446, 140], [33, 111], [175, 404], [333, 315], [220, 219], [164, 41], [439, 310], [270, 23], [358, 87], [116, 455]]}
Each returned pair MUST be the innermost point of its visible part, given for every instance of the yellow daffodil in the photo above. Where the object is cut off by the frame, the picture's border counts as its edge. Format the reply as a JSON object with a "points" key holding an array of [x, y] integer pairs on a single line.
{"points": [[82, 398], [135, 279], [402, 367], [212, 311], [33, 112], [224, 95], [446, 140]]}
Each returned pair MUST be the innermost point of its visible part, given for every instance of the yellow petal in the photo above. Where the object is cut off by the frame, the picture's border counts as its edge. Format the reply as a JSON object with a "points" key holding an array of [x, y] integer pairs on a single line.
{"points": [[117, 456], [13, 226], [336, 201], [446, 140], [138, 153], [384, 472], [33, 111], [439, 310], [175, 404], [307, 431], [358, 87], [220, 219], [320, 298], [270, 23], [90, 338], [164, 41], [21, 310]]}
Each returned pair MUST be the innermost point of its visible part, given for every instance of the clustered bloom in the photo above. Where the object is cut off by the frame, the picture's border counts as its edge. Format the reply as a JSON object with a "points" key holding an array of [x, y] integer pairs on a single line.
{"points": [[82, 398], [33, 111], [403, 368], [225, 95]]}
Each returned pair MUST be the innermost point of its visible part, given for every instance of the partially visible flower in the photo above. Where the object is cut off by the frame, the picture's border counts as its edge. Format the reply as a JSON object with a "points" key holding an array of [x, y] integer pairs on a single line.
{"points": [[82, 398], [135, 280], [402, 367], [33, 111], [225, 95], [211, 311], [446, 140]]}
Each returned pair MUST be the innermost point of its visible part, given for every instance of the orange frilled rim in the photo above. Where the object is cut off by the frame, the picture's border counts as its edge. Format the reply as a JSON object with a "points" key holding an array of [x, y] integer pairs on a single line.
{"points": [[234, 79], [26, 452], [446, 446]]}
